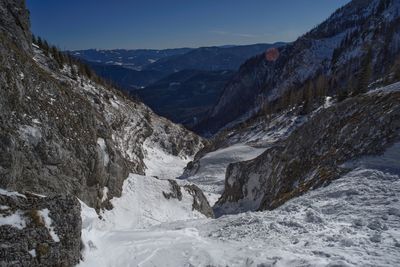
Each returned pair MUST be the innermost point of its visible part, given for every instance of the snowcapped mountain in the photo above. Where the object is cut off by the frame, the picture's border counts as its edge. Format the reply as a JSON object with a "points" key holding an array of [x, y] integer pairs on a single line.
{"points": [[337, 49]]}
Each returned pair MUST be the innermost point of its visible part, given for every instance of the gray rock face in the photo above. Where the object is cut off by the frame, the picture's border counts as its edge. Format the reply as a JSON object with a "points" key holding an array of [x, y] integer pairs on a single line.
{"points": [[46, 230], [14, 22], [200, 202], [64, 135], [312, 155]]}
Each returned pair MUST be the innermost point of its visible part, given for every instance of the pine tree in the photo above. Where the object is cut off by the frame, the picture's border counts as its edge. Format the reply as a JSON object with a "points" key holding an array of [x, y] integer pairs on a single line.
{"points": [[365, 73], [34, 40], [396, 70], [342, 94], [40, 42], [308, 97], [45, 48], [87, 71], [321, 88]]}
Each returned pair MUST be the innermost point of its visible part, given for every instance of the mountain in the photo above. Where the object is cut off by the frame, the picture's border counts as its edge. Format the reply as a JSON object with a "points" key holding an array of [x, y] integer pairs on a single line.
{"points": [[358, 40], [185, 96], [126, 78], [136, 59], [210, 58]]}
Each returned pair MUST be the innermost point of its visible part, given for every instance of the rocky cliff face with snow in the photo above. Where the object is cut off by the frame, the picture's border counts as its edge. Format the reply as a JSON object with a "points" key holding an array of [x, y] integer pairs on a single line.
{"points": [[315, 153], [61, 134], [39, 231], [342, 40]]}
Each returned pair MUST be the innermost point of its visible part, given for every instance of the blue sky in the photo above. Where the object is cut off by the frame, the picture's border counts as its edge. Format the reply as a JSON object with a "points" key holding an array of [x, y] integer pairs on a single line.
{"points": [[109, 24]]}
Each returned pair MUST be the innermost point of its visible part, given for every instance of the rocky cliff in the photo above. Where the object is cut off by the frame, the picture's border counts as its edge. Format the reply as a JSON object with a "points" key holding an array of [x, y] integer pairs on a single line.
{"points": [[314, 153]]}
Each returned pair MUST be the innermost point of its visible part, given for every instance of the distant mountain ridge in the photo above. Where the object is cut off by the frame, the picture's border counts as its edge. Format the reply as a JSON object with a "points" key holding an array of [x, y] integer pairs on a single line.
{"points": [[211, 58], [172, 60], [136, 59]]}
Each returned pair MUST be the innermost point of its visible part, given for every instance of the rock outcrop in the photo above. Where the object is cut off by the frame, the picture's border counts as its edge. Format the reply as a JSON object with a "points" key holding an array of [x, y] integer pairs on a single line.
{"points": [[14, 23], [39, 231], [313, 154]]}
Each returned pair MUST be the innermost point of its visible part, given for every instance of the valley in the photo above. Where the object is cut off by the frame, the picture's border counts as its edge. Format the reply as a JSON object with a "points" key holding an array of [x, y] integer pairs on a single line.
{"points": [[281, 154]]}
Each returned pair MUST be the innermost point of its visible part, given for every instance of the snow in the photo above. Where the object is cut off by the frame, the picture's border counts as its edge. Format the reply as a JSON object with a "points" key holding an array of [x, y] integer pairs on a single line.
{"points": [[48, 223], [33, 253], [355, 221], [10, 193], [105, 194], [15, 219], [328, 102], [141, 206], [161, 164], [395, 87], [102, 144], [30, 134]]}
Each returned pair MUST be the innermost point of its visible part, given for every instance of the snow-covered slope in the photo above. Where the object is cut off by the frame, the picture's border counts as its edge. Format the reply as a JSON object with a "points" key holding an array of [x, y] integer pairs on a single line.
{"points": [[355, 221]]}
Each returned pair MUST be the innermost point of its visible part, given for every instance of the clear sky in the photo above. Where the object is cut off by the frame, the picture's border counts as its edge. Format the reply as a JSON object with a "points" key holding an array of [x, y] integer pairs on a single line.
{"points": [[109, 24]]}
